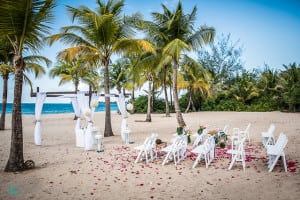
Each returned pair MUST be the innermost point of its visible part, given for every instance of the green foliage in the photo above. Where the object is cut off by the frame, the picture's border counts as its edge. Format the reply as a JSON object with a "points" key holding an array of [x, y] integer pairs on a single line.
{"points": [[140, 105]]}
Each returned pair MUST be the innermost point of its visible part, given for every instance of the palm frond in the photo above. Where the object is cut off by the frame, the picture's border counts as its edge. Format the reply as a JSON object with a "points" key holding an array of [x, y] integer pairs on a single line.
{"points": [[174, 48]]}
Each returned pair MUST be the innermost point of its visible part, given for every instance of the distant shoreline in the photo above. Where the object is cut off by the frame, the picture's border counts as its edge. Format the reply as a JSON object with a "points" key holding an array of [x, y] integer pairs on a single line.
{"points": [[54, 108]]}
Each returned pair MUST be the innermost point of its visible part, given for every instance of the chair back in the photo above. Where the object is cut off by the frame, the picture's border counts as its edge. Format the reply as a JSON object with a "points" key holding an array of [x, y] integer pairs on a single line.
{"points": [[271, 128], [281, 143]]}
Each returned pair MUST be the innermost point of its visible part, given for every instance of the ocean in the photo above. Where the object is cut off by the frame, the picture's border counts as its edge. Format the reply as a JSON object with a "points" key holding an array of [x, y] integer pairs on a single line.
{"points": [[55, 108]]}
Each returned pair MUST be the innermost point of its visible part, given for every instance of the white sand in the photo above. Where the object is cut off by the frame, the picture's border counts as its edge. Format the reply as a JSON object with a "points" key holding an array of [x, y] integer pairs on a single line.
{"points": [[64, 171]]}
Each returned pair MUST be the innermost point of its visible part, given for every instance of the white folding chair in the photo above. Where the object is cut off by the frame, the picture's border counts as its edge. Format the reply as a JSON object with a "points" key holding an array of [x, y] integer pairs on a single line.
{"points": [[237, 151], [276, 151], [147, 150], [176, 150], [268, 137], [205, 151]]}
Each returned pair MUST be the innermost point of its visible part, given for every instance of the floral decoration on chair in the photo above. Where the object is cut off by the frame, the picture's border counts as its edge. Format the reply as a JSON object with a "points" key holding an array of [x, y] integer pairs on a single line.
{"points": [[200, 130], [182, 130]]}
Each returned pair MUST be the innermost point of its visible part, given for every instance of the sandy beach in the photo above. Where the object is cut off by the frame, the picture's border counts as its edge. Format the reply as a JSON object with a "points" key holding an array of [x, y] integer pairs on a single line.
{"points": [[64, 171]]}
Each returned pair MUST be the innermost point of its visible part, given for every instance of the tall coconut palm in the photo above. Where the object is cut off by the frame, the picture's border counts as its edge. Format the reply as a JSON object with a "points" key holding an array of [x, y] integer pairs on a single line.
{"points": [[100, 34], [148, 66], [177, 29], [196, 80], [24, 23]]}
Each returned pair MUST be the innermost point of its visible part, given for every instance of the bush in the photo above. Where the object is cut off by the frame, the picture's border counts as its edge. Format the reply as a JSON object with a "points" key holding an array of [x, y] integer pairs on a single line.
{"points": [[141, 103]]}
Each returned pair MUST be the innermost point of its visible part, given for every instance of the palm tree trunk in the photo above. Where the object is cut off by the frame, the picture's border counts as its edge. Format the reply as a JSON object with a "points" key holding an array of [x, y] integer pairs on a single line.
{"points": [[152, 98], [171, 100], [192, 104], [165, 91], [179, 117], [189, 104], [133, 98], [148, 118], [76, 90], [16, 160], [119, 92], [4, 102], [107, 130]]}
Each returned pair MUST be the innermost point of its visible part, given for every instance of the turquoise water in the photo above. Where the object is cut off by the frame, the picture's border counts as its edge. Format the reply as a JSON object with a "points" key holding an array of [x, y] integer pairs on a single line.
{"points": [[54, 108]]}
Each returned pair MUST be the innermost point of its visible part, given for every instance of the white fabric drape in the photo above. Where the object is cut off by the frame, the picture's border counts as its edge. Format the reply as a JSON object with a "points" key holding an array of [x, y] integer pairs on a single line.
{"points": [[94, 104], [83, 103], [122, 108], [88, 113], [76, 109], [40, 98]]}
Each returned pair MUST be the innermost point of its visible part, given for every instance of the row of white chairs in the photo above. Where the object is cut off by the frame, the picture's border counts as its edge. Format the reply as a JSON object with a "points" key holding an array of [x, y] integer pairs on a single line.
{"points": [[176, 151], [204, 147]]}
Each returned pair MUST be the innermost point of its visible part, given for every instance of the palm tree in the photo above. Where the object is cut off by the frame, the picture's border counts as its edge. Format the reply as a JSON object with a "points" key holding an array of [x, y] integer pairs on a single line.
{"points": [[101, 34], [24, 23], [118, 75], [196, 80], [244, 88], [178, 30], [5, 70], [290, 85], [75, 70], [147, 66]]}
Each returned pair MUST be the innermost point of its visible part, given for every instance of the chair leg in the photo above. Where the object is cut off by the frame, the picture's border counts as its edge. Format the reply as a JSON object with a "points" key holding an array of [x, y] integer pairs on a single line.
{"points": [[232, 162], [197, 160], [273, 163], [206, 158], [244, 162], [166, 158], [146, 155], [284, 163], [138, 157]]}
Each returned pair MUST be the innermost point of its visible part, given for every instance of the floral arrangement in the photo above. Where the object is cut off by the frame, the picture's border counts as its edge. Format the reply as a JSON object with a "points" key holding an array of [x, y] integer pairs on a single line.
{"points": [[129, 106], [94, 104], [212, 132], [179, 130], [200, 130], [87, 112]]}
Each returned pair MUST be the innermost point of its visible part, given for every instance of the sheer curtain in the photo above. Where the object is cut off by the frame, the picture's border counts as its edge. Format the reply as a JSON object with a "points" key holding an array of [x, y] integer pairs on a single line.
{"points": [[76, 111], [40, 98], [88, 114], [122, 108]]}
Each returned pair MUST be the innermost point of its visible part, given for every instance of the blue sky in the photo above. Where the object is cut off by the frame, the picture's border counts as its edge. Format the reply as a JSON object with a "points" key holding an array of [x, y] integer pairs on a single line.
{"points": [[268, 30]]}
